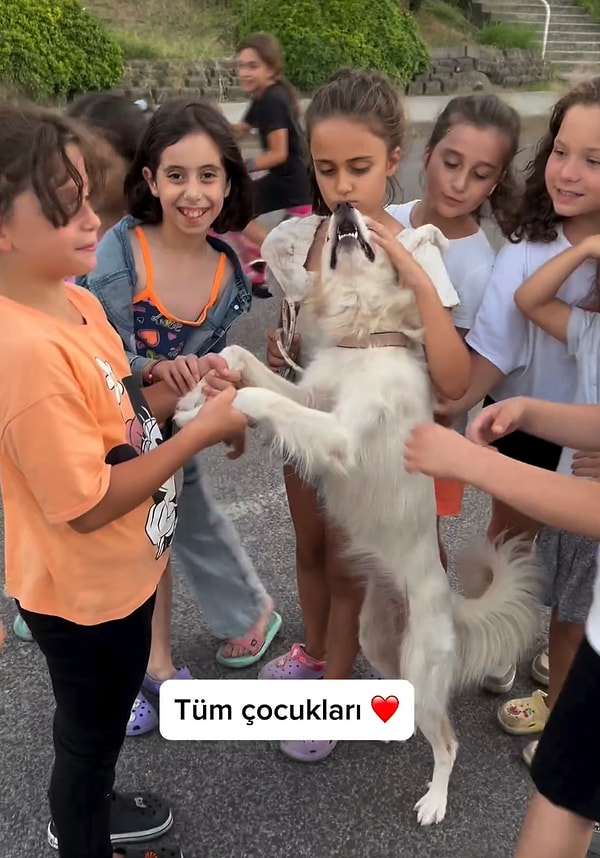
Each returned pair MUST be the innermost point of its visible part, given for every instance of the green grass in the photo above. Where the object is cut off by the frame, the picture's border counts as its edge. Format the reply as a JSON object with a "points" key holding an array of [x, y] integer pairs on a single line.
{"points": [[167, 29], [501, 35], [442, 24], [592, 7]]}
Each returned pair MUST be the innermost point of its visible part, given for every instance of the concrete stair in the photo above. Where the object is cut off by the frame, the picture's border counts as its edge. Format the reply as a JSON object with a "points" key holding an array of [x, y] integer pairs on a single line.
{"points": [[573, 44]]}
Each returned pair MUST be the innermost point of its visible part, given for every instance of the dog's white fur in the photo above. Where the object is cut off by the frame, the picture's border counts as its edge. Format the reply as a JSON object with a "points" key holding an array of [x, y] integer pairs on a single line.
{"points": [[346, 424]]}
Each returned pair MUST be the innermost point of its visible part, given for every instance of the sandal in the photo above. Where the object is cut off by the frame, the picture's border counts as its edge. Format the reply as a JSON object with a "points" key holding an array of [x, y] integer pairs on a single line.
{"points": [[295, 664], [253, 642], [528, 752], [143, 718], [22, 630], [524, 715], [309, 751], [540, 668]]}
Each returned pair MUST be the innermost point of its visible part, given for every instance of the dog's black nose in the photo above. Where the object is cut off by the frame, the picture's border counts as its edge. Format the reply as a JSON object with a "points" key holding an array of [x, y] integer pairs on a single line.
{"points": [[344, 209]]}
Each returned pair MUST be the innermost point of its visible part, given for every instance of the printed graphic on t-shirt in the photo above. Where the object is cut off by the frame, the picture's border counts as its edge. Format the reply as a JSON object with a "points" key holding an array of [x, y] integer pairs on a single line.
{"points": [[157, 336], [143, 435], [111, 382]]}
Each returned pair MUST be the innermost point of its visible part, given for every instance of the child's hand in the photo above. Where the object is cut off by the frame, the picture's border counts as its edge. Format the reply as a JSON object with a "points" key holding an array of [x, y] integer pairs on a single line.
{"points": [[497, 420], [586, 465], [411, 274], [181, 374], [436, 451], [217, 376], [274, 358], [222, 422]]}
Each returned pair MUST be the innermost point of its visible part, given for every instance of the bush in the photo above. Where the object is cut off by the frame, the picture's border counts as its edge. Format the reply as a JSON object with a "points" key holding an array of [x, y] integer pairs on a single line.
{"points": [[54, 47], [449, 14], [592, 7], [318, 38], [505, 36]]}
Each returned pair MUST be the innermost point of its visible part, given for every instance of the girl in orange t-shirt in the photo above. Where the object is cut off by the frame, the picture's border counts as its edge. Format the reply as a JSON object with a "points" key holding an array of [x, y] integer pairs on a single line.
{"points": [[90, 499]]}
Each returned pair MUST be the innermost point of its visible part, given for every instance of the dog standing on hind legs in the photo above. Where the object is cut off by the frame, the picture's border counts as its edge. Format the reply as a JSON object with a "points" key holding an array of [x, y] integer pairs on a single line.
{"points": [[345, 424]]}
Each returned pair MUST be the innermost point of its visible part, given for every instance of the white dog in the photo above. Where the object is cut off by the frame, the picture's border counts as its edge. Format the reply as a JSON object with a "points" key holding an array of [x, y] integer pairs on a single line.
{"points": [[346, 424]]}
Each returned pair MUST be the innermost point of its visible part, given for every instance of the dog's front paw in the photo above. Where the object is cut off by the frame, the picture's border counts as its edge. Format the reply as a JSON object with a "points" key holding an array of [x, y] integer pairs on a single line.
{"points": [[235, 358], [431, 808], [253, 402], [189, 405]]}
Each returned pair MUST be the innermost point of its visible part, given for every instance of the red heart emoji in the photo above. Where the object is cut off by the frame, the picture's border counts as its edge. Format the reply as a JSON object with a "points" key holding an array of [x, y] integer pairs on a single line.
{"points": [[384, 708]]}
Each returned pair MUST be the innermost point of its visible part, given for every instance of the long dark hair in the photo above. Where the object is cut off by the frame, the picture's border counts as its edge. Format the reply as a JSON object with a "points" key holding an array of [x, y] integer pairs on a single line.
{"points": [[269, 50], [173, 120], [33, 154], [113, 117], [366, 96], [536, 219], [488, 111]]}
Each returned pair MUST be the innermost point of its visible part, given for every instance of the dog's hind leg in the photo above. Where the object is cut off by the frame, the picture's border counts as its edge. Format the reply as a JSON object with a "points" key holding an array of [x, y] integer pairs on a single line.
{"points": [[436, 728], [382, 621]]}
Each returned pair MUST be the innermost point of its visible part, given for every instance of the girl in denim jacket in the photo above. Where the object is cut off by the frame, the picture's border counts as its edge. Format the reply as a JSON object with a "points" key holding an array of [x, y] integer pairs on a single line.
{"points": [[172, 291]]}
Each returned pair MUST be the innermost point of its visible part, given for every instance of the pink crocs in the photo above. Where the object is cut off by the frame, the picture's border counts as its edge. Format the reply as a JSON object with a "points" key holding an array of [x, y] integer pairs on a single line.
{"points": [[295, 664]]}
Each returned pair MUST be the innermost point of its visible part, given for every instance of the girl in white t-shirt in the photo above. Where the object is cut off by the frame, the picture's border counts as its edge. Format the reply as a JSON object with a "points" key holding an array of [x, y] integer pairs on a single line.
{"points": [[511, 355], [569, 561], [467, 163], [566, 765], [355, 127]]}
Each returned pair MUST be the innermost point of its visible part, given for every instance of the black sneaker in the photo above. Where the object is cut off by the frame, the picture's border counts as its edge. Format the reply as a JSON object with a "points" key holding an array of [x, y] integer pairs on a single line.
{"points": [[161, 852], [133, 819]]}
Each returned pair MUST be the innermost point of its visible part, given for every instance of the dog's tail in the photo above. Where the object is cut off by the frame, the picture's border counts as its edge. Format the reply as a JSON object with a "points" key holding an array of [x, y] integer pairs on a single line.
{"points": [[496, 627]]}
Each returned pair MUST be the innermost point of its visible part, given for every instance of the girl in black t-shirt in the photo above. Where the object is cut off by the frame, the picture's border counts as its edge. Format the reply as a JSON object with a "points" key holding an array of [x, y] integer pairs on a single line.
{"points": [[274, 112]]}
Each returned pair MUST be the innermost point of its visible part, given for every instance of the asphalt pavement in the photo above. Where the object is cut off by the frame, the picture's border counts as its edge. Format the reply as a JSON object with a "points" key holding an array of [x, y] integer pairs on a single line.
{"points": [[246, 800]]}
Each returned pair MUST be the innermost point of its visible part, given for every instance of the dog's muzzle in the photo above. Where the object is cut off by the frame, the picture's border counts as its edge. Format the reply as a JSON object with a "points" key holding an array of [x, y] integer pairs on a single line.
{"points": [[347, 234]]}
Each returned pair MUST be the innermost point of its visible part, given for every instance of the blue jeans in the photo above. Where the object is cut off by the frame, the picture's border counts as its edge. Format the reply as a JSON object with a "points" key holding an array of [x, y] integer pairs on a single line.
{"points": [[207, 550]]}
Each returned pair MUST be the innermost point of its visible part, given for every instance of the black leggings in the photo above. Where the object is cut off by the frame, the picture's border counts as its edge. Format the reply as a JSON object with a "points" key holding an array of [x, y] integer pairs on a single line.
{"points": [[96, 673], [566, 765]]}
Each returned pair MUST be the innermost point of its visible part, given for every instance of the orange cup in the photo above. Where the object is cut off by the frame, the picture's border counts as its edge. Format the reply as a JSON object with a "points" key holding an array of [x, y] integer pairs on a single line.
{"points": [[448, 497]]}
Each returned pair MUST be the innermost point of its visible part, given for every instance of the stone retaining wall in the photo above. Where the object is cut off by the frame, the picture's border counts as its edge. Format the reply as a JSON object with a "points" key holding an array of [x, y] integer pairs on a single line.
{"points": [[462, 69], [479, 67], [158, 80]]}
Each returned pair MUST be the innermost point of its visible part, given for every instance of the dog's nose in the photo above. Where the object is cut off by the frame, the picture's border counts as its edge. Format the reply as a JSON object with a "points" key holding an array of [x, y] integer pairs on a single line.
{"points": [[344, 209]]}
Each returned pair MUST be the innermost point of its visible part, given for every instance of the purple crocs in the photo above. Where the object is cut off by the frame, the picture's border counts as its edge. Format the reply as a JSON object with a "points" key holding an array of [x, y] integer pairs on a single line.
{"points": [[143, 718], [152, 686], [295, 664], [310, 751]]}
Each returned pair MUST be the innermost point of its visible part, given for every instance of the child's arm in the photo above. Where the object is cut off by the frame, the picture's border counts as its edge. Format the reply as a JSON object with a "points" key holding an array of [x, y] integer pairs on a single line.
{"points": [[536, 298], [241, 129], [448, 358], [575, 426], [133, 482], [60, 448], [484, 376], [162, 398], [555, 499]]}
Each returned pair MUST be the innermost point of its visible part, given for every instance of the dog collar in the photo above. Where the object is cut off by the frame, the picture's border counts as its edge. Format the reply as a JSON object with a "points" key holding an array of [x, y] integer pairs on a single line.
{"points": [[377, 340]]}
